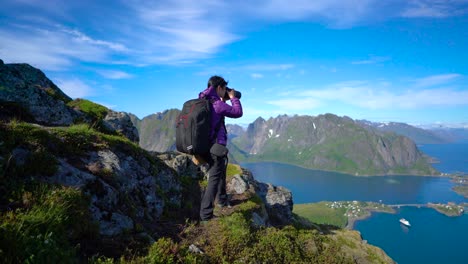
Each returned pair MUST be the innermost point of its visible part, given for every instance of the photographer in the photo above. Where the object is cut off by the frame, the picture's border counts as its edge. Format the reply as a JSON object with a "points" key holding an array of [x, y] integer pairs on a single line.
{"points": [[218, 93]]}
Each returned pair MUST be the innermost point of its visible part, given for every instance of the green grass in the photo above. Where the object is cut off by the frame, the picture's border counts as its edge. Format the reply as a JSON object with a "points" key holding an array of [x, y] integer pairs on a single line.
{"points": [[233, 169], [321, 213], [94, 110], [47, 228], [462, 190]]}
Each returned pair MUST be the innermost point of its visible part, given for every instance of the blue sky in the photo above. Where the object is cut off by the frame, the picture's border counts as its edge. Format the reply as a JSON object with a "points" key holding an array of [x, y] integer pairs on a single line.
{"points": [[403, 61]]}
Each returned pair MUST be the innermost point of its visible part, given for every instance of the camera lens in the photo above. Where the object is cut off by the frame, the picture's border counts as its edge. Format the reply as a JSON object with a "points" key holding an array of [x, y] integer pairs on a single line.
{"points": [[237, 94]]}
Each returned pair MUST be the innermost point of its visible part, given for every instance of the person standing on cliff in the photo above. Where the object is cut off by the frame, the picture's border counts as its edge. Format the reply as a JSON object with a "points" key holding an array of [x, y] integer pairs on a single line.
{"points": [[217, 160]]}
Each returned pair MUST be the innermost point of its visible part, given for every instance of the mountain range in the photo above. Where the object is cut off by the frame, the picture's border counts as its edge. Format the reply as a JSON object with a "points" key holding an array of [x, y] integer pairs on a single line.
{"points": [[324, 142]]}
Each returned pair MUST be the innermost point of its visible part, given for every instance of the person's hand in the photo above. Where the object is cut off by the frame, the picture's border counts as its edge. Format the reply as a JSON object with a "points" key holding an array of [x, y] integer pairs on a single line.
{"points": [[231, 93]]}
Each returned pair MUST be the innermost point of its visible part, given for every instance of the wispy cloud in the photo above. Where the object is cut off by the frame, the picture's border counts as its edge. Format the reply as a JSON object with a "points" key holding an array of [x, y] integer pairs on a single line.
{"points": [[372, 60], [268, 67], [188, 30], [84, 39], [173, 31], [378, 95], [256, 75], [435, 8], [297, 103], [436, 80], [75, 88], [115, 74], [53, 48]]}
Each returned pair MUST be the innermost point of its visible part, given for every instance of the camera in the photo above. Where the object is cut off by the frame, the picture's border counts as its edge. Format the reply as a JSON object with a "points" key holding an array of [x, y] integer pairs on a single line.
{"points": [[237, 94]]}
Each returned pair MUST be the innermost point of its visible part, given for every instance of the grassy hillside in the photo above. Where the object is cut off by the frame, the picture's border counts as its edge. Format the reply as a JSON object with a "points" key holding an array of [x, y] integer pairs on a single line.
{"points": [[42, 222]]}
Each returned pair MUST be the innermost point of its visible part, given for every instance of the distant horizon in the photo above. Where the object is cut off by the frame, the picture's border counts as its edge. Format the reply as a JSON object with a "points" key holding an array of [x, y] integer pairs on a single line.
{"points": [[384, 61]]}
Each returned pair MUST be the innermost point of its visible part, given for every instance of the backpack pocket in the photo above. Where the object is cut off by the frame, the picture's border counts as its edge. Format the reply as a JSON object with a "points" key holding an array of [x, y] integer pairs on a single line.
{"points": [[219, 150]]}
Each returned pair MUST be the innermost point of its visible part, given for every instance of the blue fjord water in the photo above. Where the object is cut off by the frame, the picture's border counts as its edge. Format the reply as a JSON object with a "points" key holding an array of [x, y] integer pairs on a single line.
{"points": [[433, 237]]}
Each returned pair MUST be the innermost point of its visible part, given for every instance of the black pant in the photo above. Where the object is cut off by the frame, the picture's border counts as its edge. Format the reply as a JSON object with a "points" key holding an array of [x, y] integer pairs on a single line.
{"points": [[216, 185]]}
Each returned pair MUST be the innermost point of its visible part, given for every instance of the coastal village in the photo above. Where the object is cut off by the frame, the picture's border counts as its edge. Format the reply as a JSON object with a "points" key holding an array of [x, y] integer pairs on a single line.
{"points": [[360, 210], [461, 184]]}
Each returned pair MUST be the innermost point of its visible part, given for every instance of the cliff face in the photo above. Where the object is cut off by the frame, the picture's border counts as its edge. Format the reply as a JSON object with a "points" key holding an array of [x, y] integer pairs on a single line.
{"points": [[418, 135], [157, 131], [329, 142], [80, 192]]}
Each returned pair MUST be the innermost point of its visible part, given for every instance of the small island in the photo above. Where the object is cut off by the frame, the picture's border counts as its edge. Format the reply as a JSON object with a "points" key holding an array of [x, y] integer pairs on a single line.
{"points": [[450, 209]]}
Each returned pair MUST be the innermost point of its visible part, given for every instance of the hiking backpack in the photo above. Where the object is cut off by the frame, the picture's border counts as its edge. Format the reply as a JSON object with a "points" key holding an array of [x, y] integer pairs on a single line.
{"points": [[193, 127]]}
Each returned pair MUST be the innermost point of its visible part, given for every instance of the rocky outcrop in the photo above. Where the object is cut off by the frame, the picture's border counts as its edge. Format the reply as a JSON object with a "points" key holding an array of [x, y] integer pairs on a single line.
{"points": [[277, 199], [124, 190], [122, 123], [27, 94], [31, 89]]}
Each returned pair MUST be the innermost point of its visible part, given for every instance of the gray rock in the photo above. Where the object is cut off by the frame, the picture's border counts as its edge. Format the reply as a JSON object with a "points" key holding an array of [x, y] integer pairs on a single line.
{"points": [[278, 202], [238, 184], [122, 123], [181, 163], [68, 175], [195, 249], [116, 225], [30, 88]]}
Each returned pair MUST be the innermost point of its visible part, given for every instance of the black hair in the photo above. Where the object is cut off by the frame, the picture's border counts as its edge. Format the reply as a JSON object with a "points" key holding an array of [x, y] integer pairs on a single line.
{"points": [[216, 80]]}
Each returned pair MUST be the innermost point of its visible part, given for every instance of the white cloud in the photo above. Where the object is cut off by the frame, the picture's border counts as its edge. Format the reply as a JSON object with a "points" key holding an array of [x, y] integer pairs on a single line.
{"points": [[256, 75], [268, 67], [115, 74], [19, 48], [184, 29], [174, 31], [436, 80], [52, 49], [434, 8], [75, 88], [293, 104], [84, 39], [371, 60], [378, 95]]}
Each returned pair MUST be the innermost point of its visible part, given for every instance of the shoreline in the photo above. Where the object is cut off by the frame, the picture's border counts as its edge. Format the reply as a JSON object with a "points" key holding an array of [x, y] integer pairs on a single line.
{"points": [[441, 175]]}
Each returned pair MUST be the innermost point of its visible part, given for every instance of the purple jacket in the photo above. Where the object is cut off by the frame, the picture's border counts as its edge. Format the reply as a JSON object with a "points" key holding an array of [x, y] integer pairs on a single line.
{"points": [[221, 109]]}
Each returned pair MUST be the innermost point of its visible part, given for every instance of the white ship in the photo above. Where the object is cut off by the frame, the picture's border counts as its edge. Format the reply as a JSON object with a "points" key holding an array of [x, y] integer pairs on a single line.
{"points": [[405, 222]]}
